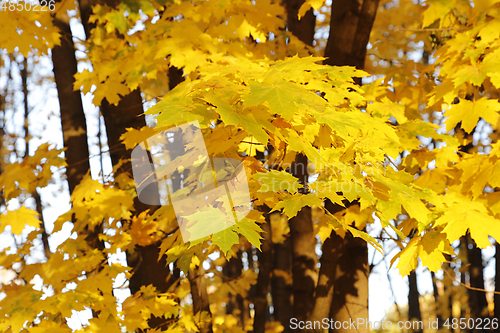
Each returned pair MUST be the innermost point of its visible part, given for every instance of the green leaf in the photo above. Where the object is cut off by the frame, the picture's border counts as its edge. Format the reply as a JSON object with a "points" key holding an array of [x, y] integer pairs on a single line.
{"points": [[292, 204], [250, 230], [369, 239], [173, 110], [298, 144], [280, 98], [238, 118], [225, 239]]}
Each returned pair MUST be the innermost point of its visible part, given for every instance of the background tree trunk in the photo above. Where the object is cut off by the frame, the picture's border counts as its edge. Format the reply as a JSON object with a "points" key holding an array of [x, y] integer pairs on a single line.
{"points": [[265, 269], [477, 299], [437, 298], [281, 284], [200, 297], [303, 241], [328, 270], [350, 300], [350, 27], [73, 122], [304, 257], [303, 29], [496, 297], [232, 270], [414, 313]]}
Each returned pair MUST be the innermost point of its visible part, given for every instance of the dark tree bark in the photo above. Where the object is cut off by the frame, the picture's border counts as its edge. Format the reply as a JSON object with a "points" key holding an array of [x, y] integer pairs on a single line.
{"points": [[448, 285], [436, 301], [281, 284], [303, 29], [74, 126], [262, 287], [350, 27], [350, 299], [464, 276], [477, 299], [200, 297], [328, 270], [251, 293], [302, 235], [73, 122], [128, 113], [414, 313], [232, 270], [304, 257]]}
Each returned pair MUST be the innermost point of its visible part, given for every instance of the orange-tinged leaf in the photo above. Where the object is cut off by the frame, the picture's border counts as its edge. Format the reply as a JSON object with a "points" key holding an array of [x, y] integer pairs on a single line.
{"points": [[133, 136]]}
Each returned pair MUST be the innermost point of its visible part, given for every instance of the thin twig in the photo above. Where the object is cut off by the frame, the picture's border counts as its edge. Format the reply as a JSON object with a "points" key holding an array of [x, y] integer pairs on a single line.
{"points": [[398, 29], [469, 287]]}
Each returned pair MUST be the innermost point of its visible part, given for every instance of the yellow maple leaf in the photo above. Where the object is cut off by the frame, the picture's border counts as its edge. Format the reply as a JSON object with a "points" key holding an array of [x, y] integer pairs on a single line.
{"points": [[469, 112], [247, 29], [462, 214], [315, 4], [429, 248], [135, 136], [17, 219], [250, 146]]}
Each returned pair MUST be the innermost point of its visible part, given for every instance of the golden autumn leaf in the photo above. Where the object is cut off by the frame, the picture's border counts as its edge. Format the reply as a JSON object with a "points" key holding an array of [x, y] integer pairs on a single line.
{"points": [[18, 219]]}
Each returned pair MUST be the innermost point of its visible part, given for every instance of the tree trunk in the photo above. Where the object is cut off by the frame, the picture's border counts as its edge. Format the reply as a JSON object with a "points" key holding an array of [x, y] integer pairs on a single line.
{"points": [[302, 235], [73, 122], [350, 27], [496, 298], [304, 257], [448, 291], [350, 299], [200, 297], [328, 271], [74, 126], [262, 287], [281, 284], [477, 299], [326, 280], [464, 277], [303, 29], [232, 270], [130, 113], [414, 313], [437, 310]]}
